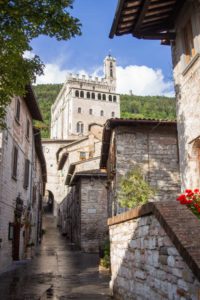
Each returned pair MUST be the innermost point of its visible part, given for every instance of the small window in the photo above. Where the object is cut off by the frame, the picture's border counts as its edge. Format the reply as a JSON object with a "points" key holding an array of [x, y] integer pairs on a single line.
{"points": [[77, 93], [113, 114], [26, 173], [79, 110], [17, 113], [110, 98], [88, 95], [14, 162], [99, 96], [90, 111], [27, 129], [104, 97], [79, 127], [189, 42], [102, 113], [82, 94], [114, 99], [82, 155], [93, 95]]}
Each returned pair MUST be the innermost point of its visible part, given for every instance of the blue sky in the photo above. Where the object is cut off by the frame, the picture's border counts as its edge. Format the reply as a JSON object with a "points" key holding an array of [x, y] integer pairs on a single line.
{"points": [[85, 54]]}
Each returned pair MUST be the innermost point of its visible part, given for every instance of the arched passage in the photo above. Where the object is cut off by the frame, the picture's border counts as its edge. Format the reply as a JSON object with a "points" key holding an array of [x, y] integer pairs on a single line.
{"points": [[48, 204]]}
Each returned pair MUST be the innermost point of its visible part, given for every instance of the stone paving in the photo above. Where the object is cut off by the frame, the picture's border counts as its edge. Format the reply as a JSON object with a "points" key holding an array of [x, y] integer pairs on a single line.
{"points": [[58, 272]]}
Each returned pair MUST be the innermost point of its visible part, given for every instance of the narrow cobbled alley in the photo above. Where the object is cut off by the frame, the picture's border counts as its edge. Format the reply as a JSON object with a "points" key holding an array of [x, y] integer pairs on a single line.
{"points": [[58, 271]]}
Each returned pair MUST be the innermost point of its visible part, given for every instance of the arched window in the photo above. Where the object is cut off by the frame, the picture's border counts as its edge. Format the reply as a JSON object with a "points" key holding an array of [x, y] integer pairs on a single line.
{"points": [[99, 96], [82, 94], [113, 114], [88, 95], [79, 127], [90, 111], [79, 110], [102, 113], [93, 95], [110, 98], [77, 93], [104, 97], [114, 98]]}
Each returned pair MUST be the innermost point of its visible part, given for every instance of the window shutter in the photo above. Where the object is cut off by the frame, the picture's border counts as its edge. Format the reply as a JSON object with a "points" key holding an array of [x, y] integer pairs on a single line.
{"points": [[15, 160], [26, 173]]}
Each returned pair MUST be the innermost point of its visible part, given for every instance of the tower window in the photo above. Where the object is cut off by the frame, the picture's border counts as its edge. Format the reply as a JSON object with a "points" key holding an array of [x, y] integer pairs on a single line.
{"points": [[113, 114], [90, 111], [110, 98], [114, 98], [93, 95], [79, 110], [102, 113], [79, 127], [82, 94], [99, 96], [104, 97], [77, 93], [88, 95]]}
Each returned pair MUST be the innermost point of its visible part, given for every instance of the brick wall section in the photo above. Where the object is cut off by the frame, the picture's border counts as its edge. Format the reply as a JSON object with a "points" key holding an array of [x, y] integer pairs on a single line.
{"points": [[155, 253]]}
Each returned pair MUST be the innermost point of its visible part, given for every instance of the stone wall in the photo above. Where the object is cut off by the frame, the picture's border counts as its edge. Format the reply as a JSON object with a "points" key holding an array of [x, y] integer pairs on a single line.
{"points": [[154, 149], [83, 213], [93, 214], [186, 77], [154, 255]]}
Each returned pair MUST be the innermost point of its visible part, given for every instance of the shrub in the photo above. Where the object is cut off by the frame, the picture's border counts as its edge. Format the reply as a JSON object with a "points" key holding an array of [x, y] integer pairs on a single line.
{"points": [[134, 189]]}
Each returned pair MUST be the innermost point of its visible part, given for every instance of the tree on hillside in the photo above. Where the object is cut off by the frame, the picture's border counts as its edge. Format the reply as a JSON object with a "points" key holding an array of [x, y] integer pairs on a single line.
{"points": [[20, 22]]}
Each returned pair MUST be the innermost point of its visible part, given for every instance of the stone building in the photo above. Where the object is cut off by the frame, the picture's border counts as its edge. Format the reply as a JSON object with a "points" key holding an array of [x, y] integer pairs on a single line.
{"points": [[83, 212], [22, 180], [77, 116], [149, 144], [175, 23], [84, 101]]}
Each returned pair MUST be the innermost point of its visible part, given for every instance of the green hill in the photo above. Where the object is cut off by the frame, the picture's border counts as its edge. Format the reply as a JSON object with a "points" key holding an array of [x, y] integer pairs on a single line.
{"points": [[149, 107]]}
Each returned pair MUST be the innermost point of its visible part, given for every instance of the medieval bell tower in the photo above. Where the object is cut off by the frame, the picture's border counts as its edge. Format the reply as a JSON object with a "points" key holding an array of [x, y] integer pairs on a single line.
{"points": [[110, 70]]}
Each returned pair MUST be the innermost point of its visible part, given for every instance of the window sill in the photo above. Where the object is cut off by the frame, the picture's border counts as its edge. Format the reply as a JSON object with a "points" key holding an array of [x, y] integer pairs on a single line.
{"points": [[190, 64]]}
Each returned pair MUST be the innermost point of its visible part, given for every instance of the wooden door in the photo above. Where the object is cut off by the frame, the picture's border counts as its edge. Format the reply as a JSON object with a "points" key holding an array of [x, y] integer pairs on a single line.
{"points": [[16, 240]]}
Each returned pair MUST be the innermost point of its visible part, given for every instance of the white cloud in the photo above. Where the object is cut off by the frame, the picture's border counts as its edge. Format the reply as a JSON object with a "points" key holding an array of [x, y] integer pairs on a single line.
{"points": [[141, 80]]}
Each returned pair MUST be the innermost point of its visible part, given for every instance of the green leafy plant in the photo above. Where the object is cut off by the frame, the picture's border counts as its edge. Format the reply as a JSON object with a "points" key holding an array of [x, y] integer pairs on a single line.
{"points": [[21, 22], [105, 260], [134, 189]]}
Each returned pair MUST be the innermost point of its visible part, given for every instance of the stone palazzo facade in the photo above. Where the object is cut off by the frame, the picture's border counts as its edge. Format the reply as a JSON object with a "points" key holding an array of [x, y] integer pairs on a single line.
{"points": [[83, 101]]}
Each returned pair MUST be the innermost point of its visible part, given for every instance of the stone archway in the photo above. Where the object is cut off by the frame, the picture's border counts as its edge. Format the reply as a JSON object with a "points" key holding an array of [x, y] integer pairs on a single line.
{"points": [[48, 204]]}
